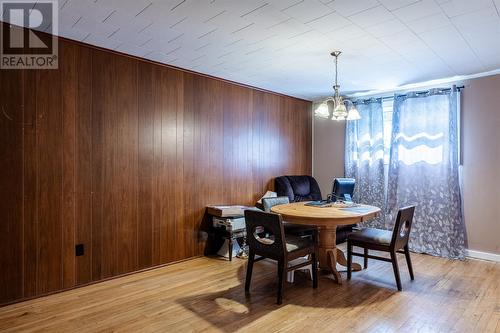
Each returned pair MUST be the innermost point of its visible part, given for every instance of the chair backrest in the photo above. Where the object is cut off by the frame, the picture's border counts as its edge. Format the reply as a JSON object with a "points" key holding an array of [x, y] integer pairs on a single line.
{"points": [[265, 234], [297, 188], [269, 203], [402, 227]]}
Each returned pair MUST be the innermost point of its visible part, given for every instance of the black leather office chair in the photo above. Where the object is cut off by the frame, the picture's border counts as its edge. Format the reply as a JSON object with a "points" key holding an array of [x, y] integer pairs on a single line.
{"points": [[305, 188], [297, 188]]}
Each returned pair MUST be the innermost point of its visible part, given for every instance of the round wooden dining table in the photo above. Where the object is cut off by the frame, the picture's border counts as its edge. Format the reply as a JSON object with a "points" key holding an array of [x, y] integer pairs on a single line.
{"points": [[327, 219]]}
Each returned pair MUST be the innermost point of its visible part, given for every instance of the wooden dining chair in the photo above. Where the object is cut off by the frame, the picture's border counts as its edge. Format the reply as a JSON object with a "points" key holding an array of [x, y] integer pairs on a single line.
{"points": [[294, 229], [266, 239], [383, 240], [290, 228]]}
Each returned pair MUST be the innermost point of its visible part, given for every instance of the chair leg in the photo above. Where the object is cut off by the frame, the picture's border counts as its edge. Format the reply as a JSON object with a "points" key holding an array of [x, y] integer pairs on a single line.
{"points": [[314, 270], [290, 276], [394, 260], [230, 248], [281, 280], [349, 260], [408, 261], [251, 259], [365, 261]]}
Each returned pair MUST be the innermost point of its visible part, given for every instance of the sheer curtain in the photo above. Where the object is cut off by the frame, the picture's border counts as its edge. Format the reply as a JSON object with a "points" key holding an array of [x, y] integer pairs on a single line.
{"points": [[423, 171], [364, 156]]}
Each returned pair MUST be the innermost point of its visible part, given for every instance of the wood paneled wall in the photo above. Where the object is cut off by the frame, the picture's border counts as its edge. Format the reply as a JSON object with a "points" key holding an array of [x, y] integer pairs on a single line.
{"points": [[122, 155]]}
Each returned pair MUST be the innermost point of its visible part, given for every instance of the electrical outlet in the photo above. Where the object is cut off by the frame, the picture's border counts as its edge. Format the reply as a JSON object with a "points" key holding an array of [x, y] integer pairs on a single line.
{"points": [[79, 250]]}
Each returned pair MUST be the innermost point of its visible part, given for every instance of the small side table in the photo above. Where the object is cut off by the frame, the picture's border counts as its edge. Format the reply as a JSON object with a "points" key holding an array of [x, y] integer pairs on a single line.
{"points": [[231, 236]]}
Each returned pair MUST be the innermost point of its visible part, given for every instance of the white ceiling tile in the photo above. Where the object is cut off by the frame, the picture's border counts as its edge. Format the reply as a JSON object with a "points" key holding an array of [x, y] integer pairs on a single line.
{"points": [[444, 37], [401, 40], [130, 7], [417, 10], [155, 30], [349, 32], [223, 21], [289, 28], [396, 4], [350, 7], [283, 4], [92, 9], [92, 26], [240, 8], [483, 46], [486, 48], [329, 23], [453, 49], [477, 19], [132, 23], [419, 55], [267, 18], [307, 10], [102, 41], [252, 33], [162, 45], [429, 23], [201, 11], [123, 35], [360, 43], [68, 19], [491, 59], [158, 10], [371, 16], [308, 42], [190, 27], [387, 28], [458, 7], [375, 50]]}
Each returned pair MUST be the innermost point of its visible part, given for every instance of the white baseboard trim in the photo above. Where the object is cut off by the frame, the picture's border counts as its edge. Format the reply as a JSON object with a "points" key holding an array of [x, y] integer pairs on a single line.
{"points": [[483, 255]]}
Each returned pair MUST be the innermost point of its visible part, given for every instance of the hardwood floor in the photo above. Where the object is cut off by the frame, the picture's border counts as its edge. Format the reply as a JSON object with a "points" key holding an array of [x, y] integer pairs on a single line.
{"points": [[207, 294]]}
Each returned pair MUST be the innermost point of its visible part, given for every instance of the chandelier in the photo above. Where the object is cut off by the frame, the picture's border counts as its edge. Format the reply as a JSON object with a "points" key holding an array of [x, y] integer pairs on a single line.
{"points": [[335, 107]]}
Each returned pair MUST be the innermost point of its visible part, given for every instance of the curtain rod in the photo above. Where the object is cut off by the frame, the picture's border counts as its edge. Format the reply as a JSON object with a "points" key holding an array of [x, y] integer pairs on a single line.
{"points": [[361, 100]]}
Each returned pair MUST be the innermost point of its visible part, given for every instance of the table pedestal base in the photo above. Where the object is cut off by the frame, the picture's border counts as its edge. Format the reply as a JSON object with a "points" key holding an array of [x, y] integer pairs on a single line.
{"points": [[330, 255]]}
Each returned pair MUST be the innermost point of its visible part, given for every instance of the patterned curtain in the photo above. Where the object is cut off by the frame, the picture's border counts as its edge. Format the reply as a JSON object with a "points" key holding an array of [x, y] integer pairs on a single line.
{"points": [[364, 156], [423, 171]]}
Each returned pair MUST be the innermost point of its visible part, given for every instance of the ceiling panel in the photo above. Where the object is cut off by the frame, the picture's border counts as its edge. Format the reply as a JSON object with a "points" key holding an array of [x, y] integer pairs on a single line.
{"points": [[285, 45], [417, 10], [387, 28], [459, 7], [349, 7], [395, 4], [428, 23], [471, 21], [372, 17], [307, 10], [329, 22], [448, 43]]}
